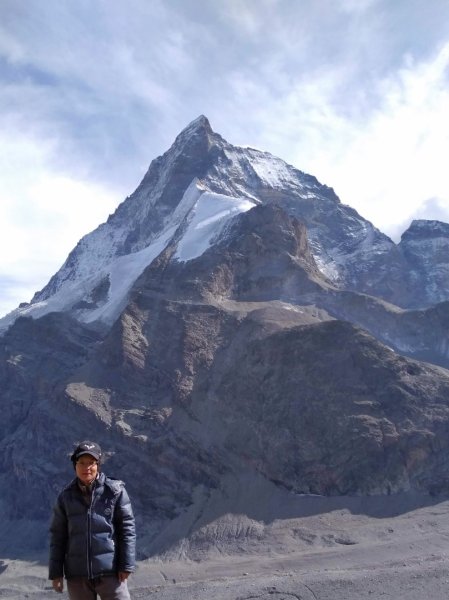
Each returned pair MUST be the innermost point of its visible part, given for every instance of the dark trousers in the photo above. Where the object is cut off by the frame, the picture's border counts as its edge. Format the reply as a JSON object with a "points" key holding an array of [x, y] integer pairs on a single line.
{"points": [[106, 588]]}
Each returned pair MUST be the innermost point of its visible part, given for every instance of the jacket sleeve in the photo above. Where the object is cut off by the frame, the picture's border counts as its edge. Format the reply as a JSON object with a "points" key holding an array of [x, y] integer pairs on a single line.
{"points": [[58, 541], [125, 533]]}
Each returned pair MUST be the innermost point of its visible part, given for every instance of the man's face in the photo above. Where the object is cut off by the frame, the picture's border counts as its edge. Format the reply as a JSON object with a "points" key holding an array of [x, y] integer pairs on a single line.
{"points": [[86, 468]]}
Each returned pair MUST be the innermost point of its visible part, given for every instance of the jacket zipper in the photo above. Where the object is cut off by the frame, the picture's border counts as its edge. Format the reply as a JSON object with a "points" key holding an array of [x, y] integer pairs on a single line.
{"points": [[89, 545], [90, 574]]}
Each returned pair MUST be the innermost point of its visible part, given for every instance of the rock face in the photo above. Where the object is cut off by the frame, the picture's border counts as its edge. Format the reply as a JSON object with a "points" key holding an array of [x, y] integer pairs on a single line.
{"points": [[425, 248], [244, 345]]}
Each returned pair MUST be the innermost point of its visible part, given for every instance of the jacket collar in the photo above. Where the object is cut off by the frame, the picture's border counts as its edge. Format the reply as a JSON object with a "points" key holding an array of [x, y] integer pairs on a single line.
{"points": [[100, 480]]}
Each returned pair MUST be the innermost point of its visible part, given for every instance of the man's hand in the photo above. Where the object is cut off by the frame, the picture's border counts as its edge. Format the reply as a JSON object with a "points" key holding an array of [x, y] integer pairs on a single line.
{"points": [[122, 576], [58, 584]]}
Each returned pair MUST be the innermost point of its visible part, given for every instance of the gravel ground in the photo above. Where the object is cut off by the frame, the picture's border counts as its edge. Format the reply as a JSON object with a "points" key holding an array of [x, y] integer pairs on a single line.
{"points": [[339, 554]]}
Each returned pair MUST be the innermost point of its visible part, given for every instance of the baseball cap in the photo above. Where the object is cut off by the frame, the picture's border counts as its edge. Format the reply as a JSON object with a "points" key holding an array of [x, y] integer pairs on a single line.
{"points": [[86, 447]]}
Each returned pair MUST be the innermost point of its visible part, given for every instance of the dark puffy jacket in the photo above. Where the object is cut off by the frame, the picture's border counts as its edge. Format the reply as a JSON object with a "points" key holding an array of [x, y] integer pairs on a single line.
{"points": [[89, 541]]}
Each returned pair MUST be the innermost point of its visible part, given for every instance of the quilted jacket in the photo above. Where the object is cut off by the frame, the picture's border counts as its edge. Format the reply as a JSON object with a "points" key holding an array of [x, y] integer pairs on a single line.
{"points": [[96, 539]]}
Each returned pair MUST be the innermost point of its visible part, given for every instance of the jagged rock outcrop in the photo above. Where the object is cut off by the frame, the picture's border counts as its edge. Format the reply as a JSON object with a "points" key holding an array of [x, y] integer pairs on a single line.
{"points": [[425, 248]]}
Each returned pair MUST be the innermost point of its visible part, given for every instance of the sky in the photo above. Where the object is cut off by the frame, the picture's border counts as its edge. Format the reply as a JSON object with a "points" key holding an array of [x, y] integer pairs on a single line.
{"points": [[354, 92]]}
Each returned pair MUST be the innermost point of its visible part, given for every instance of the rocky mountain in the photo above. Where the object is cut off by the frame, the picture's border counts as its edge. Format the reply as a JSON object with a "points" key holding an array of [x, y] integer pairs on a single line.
{"points": [[425, 247], [232, 321], [187, 197]]}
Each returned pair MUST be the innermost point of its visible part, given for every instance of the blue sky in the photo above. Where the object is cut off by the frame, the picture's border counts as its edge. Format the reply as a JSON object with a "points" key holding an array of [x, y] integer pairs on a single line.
{"points": [[354, 92]]}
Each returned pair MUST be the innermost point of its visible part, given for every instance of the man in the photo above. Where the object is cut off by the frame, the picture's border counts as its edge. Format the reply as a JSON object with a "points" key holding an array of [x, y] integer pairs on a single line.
{"points": [[93, 534]]}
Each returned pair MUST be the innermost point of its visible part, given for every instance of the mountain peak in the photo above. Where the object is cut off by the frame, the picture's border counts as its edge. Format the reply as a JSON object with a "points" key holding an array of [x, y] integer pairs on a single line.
{"points": [[201, 121], [425, 228], [197, 134], [199, 124]]}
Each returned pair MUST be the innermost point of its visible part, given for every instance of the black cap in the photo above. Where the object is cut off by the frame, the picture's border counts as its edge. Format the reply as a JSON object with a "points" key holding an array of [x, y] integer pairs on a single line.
{"points": [[86, 448]]}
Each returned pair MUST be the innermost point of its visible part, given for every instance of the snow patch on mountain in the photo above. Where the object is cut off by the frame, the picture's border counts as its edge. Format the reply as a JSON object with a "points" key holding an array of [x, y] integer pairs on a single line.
{"points": [[272, 170], [204, 214], [269, 170], [207, 220], [121, 273]]}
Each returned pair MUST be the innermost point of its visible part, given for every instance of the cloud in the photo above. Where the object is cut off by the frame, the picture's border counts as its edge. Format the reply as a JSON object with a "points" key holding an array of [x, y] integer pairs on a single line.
{"points": [[433, 208], [93, 77], [42, 214], [356, 6], [395, 160], [384, 157]]}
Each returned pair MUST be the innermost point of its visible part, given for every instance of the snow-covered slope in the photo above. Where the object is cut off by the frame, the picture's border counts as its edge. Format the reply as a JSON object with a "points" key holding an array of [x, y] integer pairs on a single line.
{"points": [[206, 221], [97, 286]]}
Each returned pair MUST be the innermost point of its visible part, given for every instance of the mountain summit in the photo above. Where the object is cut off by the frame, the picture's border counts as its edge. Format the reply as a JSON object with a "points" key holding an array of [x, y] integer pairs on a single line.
{"points": [[231, 323]]}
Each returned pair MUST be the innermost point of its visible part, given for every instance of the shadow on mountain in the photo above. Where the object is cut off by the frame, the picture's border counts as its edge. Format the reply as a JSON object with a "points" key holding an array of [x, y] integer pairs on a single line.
{"points": [[250, 514]]}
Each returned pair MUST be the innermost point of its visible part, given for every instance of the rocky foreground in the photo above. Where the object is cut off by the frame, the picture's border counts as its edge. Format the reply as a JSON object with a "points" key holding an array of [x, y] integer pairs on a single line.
{"points": [[340, 549]]}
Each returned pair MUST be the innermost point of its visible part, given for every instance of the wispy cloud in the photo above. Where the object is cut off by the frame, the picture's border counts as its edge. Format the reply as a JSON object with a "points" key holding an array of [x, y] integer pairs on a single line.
{"points": [[43, 214], [394, 160], [385, 154]]}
